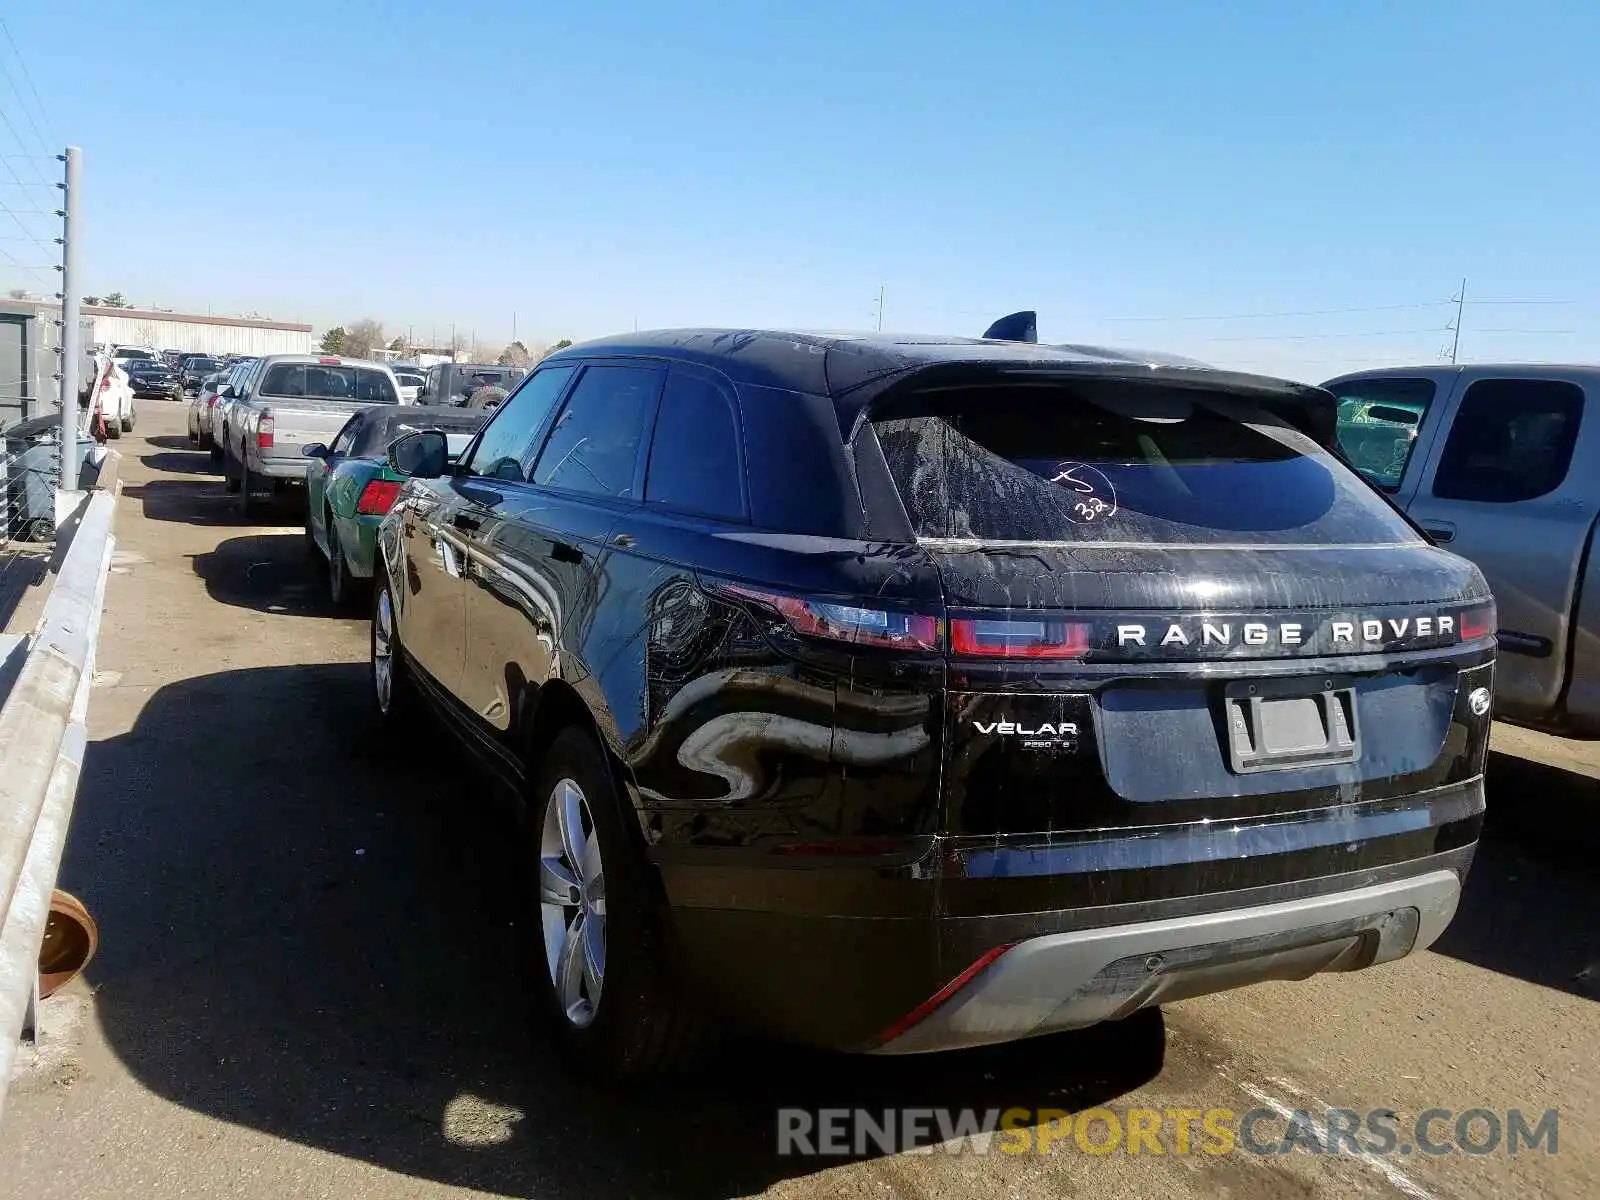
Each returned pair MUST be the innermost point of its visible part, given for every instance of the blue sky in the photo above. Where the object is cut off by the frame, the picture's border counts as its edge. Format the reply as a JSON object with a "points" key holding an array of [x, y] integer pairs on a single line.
{"points": [[586, 167]]}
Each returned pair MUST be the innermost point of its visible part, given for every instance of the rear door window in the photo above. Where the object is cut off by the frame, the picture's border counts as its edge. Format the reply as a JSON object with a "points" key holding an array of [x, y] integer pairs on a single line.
{"points": [[1128, 464], [594, 447], [1378, 424], [695, 465], [1512, 440]]}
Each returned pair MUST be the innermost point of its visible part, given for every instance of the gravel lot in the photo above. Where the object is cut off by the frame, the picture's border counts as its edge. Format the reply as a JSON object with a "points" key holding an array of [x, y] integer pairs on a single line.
{"points": [[304, 984]]}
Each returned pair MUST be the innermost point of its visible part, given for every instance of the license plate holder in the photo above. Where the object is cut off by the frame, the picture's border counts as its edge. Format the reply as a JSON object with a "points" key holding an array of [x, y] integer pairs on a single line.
{"points": [[1279, 724]]}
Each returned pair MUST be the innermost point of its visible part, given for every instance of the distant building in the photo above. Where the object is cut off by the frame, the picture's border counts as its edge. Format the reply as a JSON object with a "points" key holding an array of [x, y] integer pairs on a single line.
{"points": [[189, 331], [30, 341]]}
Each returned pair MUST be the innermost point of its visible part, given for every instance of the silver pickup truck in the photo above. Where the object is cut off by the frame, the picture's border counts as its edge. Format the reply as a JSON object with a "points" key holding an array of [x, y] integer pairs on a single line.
{"points": [[287, 401], [1498, 464]]}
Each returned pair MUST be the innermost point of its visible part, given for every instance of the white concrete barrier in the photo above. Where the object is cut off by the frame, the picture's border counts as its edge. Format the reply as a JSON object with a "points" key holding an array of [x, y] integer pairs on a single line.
{"points": [[43, 731]]}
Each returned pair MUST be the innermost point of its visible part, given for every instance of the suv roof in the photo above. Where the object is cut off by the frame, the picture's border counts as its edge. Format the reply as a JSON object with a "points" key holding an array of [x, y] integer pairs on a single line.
{"points": [[854, 368]]}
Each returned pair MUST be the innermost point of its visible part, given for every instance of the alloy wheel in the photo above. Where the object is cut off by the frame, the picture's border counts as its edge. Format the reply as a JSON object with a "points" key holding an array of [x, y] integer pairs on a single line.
{"points": [[572, 903], [383, 651]]}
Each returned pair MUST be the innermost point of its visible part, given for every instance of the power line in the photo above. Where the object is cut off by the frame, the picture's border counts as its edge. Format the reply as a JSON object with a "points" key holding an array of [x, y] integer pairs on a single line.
{"points": [[1310, 312], [1317, 337], [22, 64]]}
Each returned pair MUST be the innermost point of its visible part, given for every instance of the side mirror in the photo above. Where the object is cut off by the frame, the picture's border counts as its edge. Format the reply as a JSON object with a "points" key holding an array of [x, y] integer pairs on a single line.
{"points": [[314, 450], [225, 391], [423, 454]]}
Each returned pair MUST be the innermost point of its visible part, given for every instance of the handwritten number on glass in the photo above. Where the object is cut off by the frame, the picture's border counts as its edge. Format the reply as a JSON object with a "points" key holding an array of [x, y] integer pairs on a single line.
{"points": [[1096, 497]]}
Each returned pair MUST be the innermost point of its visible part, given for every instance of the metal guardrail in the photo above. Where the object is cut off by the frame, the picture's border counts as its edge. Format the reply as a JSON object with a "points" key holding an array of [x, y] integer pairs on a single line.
{"points": [[43, 733]]}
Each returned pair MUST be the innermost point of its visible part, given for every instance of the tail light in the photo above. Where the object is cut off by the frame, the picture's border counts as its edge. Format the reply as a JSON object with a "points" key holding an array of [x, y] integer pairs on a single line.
{"points": [[848, 623], [105, 384], [931, 1005], [984, 638], [264, 429], [377, 497], [1479, 622], [211, 400]]}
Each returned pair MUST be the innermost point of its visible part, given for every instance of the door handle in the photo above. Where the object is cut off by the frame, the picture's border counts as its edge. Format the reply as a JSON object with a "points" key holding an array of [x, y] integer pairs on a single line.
{"points": [[565, 552], [466, 521], [1440, 531]]}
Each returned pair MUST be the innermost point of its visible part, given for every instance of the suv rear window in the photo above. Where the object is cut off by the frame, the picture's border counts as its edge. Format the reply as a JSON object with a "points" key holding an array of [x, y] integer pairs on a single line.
{"points": [[1122, 464], [315, 381]]}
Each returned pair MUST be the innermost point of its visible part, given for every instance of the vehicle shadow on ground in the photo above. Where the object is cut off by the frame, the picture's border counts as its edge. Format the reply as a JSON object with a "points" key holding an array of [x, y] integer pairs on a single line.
{"points": [[185, 501], [188, 461], [172, 441], [1530, 905], [307, 932], [205, 502], [271, 572]]}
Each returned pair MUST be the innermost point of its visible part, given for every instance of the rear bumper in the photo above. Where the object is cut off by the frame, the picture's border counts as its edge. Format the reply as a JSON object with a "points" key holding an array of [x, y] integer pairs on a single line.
{"points": [[293, 470], [1092, 929]]}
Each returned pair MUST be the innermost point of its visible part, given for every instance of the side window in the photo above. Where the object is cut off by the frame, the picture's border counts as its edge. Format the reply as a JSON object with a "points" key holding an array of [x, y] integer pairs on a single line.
{"points": [[1512, 440], [247, 379], [594, 447], [694, 453], [1378, 424], [347, 435], [509, 435]]}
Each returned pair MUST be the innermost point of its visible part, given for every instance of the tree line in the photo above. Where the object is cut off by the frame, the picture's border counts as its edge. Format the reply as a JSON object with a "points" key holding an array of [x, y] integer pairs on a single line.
{"points": [[363, 339]]}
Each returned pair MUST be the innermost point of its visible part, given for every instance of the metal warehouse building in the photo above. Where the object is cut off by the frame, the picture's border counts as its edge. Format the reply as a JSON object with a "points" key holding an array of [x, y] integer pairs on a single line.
{"points": [[207, 335], [187, 331]]}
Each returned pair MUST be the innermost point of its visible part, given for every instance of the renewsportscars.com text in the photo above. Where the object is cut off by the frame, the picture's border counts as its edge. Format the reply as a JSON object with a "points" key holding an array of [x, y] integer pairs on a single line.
{"points": [[1379, 1132]]}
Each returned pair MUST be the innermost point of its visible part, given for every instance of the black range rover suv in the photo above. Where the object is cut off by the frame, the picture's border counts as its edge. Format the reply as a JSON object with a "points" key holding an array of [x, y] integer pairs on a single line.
{"points": [[896, 694]]}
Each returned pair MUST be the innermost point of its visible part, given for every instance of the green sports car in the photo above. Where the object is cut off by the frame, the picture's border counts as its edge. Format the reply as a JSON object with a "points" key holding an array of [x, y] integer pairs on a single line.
{"points": [[350, 485]]}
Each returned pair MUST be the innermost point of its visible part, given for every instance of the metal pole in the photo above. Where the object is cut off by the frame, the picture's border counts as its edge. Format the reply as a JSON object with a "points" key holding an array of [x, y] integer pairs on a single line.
{"points": [[71, 341], [1461, 300]]}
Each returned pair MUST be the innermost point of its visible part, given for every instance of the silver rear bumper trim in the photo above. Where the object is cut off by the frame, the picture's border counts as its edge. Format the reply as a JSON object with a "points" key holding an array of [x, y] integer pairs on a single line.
{"points": [[1070, 980]]}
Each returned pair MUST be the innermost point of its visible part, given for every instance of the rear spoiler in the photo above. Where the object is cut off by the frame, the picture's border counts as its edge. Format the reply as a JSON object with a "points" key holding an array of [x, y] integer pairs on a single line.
{"points": [[1312, 410], [1018, 327]]}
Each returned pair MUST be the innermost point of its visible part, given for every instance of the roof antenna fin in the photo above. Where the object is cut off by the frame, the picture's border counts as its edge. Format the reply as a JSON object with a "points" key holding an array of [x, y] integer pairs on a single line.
{"points": [[1018, 327]]}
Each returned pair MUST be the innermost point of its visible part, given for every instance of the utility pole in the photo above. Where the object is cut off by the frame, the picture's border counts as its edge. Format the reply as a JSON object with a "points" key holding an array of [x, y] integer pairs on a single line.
{"points": [[1461, 301], [71, 338], [880, 307], [513, 325]]}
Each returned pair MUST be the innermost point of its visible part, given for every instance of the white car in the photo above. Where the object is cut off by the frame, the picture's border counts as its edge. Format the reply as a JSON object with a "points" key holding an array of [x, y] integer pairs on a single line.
{"points": [[107, 392], [410, 382]]}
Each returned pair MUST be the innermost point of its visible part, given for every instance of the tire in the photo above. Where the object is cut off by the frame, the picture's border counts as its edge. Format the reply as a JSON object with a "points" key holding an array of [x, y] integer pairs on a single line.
{"points": [[113, 430], [247, 505], [600, 978], [127, 424], [313, 551], [342, 586], [395, 704], [230, 472], [214, 449]]}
